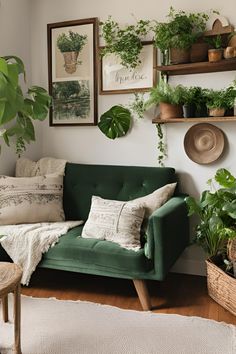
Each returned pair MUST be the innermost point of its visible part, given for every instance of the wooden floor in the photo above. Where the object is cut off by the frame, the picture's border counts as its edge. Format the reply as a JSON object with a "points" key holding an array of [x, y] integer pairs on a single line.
{"points": [[179, 294]]}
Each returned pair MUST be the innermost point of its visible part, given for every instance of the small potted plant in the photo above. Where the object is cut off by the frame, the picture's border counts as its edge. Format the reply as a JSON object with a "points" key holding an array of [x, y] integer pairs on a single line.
{"points": [[215, 52], [179, 33], [169, 99], [70, 45], [216, 102], [216, 209]]}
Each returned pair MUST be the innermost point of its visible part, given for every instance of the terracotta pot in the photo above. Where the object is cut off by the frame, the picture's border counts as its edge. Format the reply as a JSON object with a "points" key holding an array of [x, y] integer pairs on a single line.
{"points": [[216, 112], [229, 52], [198, 52], [179, 56], [215, 55], [70, 59], [168, 110]]}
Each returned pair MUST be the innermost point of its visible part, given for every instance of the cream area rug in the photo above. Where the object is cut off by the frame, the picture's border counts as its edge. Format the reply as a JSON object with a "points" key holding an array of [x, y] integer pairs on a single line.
{"points": [[52, 326]]}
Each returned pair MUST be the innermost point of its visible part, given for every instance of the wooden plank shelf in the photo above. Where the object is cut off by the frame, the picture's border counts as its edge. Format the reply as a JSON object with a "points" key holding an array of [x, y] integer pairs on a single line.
{"points": [[195, 120], [197, 68]]}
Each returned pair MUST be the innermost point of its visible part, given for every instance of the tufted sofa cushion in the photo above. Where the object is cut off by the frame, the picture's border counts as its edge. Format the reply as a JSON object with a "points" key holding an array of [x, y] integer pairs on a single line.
{"points": [[123, 183]]}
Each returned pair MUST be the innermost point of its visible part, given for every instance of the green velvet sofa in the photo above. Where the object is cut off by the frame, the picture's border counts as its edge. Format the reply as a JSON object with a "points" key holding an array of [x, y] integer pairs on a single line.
{"points": [[167, 233]]}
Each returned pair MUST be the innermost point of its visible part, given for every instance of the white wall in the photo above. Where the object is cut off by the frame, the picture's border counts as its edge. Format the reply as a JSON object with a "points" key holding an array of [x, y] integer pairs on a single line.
{"points": [[15, 40], [87, 144]]}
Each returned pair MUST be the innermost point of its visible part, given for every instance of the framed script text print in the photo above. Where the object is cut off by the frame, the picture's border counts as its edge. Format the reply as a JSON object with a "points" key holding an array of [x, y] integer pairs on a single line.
{"points": [[115, 78]]}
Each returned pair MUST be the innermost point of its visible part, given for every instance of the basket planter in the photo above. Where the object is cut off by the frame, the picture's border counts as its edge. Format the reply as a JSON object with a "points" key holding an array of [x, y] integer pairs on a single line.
{"points": [[179, 56], [221, 287], [169, 111]]}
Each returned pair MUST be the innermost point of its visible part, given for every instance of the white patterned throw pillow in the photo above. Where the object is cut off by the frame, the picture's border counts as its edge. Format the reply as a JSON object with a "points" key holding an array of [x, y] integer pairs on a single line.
{"points": [[115, 221], [120, 221], [31, 199]]}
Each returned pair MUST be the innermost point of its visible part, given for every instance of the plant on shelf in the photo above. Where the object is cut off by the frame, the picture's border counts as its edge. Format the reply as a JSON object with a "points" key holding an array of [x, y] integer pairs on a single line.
{"points": [[70, 45], [178, 34], [215, 52], [217, 102], [19, 110], [116, 122], [125, 42], [169, 98], [194, 102]]}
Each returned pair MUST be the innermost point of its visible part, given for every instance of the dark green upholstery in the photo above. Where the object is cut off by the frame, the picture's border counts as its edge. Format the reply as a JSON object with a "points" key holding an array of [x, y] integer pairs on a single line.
{"points": [[167, 231]]}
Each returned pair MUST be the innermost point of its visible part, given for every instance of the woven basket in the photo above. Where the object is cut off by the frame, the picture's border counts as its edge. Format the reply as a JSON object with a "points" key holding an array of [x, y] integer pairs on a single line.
{"points": [[221, 287], [232, 253]]}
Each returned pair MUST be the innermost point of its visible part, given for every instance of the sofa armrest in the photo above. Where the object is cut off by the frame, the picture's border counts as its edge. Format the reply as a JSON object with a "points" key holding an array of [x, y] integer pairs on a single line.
{"points": [[167, 234]]}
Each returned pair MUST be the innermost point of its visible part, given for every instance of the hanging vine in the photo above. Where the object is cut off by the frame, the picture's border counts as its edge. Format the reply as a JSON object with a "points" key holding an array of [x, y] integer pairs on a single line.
{"points": [[161, 146]]}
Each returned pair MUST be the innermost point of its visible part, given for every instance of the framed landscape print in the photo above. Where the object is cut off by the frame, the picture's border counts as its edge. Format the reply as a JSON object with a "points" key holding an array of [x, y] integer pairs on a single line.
{"points": [[115, 78], [72, 68]]}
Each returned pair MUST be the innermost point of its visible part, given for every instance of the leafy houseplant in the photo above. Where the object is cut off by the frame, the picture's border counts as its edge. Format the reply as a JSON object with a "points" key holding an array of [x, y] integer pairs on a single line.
{"points": [[70, 46], [216, 102], [216, 209], [125, 42], [194, 102], [115, 122], [179, 33], [169, 99], [17, 110], [215, 52]]}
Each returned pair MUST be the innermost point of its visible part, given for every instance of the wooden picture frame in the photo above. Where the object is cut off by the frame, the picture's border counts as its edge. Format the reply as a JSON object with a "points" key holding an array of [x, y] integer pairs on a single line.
{"points": [[116, 79], [72, 71]]}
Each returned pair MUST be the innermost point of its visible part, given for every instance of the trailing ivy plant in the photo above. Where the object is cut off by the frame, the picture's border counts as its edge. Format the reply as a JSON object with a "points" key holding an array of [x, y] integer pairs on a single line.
{"points": [[19, 110], [125, 42], [161, 146], [115, 122], [137, 106]]}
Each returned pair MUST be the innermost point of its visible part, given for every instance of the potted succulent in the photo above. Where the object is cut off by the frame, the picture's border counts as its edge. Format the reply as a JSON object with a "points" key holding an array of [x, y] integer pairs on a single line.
{"points": [[70, 45], [169, 99], [18, 111], [179, 33], [215, 52], [124, 42], [216, 210]]}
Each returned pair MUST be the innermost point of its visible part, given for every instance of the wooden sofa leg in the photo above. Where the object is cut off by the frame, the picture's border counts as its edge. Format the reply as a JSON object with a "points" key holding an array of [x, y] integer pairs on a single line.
{"points": [[142, 291]]}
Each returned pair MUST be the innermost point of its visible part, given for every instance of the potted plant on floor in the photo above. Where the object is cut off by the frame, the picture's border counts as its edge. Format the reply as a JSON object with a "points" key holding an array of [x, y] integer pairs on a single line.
{"points": [[18, 110], [70, 45], [169, 98], [179, 33], [216, 210]]}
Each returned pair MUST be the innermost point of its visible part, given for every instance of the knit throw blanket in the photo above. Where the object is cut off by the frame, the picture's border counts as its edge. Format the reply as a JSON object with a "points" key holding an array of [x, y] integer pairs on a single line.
{"points": [[25, 243]]}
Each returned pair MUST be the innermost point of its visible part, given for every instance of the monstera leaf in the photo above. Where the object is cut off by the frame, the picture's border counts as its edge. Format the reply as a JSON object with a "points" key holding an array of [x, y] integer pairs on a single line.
{"points": [[115, 122]]}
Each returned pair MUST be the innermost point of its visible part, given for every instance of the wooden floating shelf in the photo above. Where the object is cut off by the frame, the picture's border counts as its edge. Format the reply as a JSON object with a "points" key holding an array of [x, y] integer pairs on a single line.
{"points": [[197, 68], [194, 120]]}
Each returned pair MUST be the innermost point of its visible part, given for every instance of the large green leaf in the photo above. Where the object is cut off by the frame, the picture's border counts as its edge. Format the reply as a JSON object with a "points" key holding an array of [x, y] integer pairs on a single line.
{"points": [[225, 179], [115, 122]]}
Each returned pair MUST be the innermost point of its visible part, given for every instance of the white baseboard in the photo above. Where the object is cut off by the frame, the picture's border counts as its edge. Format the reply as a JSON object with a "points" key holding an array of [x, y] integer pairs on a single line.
{"points": [[189, 266]]}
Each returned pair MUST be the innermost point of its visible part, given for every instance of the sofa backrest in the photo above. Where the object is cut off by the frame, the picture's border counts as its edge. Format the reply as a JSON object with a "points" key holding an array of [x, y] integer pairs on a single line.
{"points": [[82, 181]]}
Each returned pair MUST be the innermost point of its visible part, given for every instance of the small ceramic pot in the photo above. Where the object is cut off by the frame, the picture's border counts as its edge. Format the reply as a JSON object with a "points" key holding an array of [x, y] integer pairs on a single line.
{"points": [[215, 55], [229, 52], [216, 112]]}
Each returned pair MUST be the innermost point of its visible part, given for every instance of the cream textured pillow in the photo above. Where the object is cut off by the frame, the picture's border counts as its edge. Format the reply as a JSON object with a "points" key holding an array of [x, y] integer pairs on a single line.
{"points": [[115, 221], [47, 165], [156, 199], [31, 199]]}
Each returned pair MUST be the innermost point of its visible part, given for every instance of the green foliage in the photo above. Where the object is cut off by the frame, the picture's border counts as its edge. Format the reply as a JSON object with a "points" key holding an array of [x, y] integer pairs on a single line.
{"points": [[137, 106], [195, 95], [216, 209], [164, 92], [72, 42], [161, 146], [181, 31], [216, 99], [115, 122], [17, 111], [125, 42], [214, 42]]}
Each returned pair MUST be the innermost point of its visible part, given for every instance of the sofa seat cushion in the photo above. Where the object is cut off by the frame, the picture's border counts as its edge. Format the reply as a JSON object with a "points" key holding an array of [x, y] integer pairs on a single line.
{"points": [[93, 255]]}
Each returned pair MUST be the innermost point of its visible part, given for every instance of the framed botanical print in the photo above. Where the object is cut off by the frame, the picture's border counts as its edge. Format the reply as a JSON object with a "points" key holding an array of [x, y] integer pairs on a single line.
{"points": [[72, 68], [115, 78]]}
